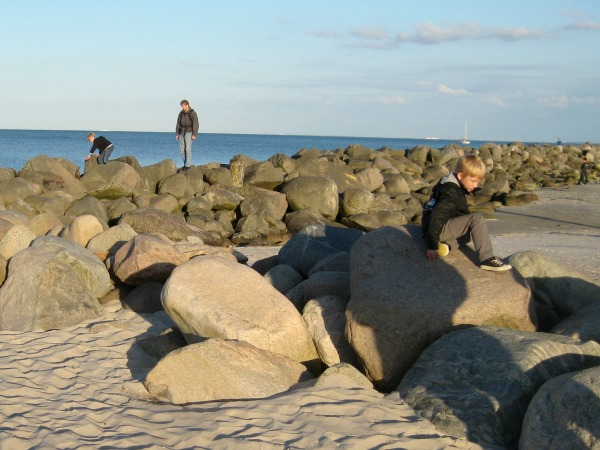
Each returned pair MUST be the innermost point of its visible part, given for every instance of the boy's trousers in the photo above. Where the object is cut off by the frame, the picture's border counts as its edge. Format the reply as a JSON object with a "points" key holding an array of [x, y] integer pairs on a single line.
{"points": [[461, 226]]}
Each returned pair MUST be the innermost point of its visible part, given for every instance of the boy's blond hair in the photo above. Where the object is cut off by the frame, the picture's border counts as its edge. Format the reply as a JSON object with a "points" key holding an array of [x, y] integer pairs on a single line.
{"points": [[91, 135], [471, 166]]}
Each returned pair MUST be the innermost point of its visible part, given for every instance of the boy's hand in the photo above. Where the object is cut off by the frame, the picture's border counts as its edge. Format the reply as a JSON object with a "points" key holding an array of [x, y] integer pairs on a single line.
{"points": [[87, 158], [432, 254]]}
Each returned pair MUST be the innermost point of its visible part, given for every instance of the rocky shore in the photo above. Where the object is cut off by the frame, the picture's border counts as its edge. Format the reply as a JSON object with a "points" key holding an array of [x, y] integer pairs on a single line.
{"points": [[339, 299]]}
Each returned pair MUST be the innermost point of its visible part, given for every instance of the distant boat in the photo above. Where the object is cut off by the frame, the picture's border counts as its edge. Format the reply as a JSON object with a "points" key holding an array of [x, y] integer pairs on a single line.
{"points": [[465, 140], [431, 139]]}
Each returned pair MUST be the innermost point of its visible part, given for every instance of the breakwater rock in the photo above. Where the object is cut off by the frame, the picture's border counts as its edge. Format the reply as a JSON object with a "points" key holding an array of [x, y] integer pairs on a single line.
{"points": [[347, 295], [250, 202]]}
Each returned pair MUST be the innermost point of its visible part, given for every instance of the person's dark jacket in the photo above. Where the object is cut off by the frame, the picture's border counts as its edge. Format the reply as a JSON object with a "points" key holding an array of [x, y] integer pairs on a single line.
{"points": [[448, 200], [100, 143], [187, 122]]}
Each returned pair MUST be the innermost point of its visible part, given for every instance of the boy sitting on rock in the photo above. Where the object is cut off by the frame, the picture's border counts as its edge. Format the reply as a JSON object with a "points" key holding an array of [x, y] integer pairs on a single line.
{"points": [[446, 217]]}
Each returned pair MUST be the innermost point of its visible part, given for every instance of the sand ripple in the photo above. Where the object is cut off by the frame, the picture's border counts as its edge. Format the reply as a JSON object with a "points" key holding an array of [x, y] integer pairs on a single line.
{"points": [[81, 388]]}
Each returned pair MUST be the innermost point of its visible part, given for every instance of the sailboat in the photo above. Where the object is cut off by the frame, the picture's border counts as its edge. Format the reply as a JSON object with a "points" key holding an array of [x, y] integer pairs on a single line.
{"points": [[465, 140]]}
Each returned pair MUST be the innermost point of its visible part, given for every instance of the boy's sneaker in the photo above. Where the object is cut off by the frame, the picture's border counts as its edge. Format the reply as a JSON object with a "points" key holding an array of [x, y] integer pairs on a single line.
{"points": [[495, 265], [443, 249]]}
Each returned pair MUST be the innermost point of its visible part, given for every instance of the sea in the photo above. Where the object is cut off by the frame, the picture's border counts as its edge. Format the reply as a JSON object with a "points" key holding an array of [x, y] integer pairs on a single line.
{"points": [[19, 146]]}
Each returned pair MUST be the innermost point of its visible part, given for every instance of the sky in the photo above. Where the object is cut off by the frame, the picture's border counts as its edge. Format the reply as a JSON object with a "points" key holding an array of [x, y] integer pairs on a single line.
{"points": [[526, 70]]}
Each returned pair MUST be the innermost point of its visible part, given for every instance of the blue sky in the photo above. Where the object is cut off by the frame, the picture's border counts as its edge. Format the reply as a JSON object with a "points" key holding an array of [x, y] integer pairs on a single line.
{"points": [[525, 70]]}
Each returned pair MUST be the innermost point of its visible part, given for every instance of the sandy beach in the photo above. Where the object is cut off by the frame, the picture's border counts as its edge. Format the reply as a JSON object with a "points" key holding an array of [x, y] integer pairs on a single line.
{"points": [[81, 387]]}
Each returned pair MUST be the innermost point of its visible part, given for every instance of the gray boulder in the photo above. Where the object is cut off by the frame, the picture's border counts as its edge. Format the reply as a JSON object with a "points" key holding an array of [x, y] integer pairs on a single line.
{"points": [[116, 208], [297, 221], [174, 185], [16, 238], [50, 202], [112, 239], [87, 205], [343, 371], [88, 268], [558, 290], [82, 229], [152, 174], [110, 181], [477, 382], [370, 178], [563, 414], [209, 296], [283, 277], [401, 302], [263, 202], [43, 292], [219, 369], [64, 176], [583, 325], [310, 192], [145, 298], [263, 175], [326, 321], [219, 176], [150, 220], [314, 243], [146, 258], [18, 188]]}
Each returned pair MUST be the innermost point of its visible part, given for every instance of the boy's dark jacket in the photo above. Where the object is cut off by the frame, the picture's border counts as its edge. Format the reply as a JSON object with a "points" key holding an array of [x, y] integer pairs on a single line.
{"points": [[448, 200]]}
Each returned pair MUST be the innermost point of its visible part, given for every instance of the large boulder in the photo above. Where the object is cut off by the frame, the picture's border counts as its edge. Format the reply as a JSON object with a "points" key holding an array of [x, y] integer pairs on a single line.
{"points": [[558, 290], [68, 180], [326, 322], [110, 181], [51, 202], [17, 188], [309, 192], [111, 240], [82, 229], [401, 302], [87, 266], [219, 369], [314, 243], [150, 220], [210, 296], [152, 174], [16, 238], [583, 325], [477, 382], [146, 258], [564, 413], [43, 291], [264, 175], [263, 202], [88, 205]]}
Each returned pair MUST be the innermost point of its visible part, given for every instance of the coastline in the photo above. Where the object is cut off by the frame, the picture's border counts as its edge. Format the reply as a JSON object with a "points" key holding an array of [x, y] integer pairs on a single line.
{"points": [[80, 387]]}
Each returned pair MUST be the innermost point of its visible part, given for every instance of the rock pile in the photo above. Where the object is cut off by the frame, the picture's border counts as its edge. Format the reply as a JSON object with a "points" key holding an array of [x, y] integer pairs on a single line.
{"points": [[479, 354]]}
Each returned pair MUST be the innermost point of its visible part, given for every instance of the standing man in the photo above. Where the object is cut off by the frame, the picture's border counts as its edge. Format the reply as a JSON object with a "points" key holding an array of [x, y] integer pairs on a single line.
{"points": [[103, 145], [186, 131], [585, 166]]}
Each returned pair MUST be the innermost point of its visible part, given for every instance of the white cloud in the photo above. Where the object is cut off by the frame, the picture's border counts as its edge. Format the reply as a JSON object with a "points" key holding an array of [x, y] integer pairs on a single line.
{"points": [[428, 34], [497, 102], [584, 25], [369, 33], [563, 101], [326, 34], [443, 89], [589, 100], [393, 100], [432, 34], [555, 101]]}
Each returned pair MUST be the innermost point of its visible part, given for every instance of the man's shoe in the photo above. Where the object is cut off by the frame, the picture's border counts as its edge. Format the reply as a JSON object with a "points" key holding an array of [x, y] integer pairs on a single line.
{"points": [[443, 249], [495, 265]]}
